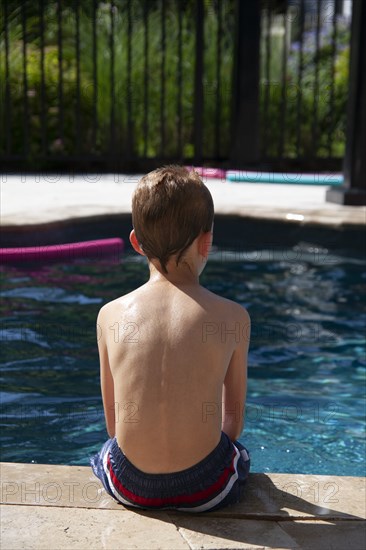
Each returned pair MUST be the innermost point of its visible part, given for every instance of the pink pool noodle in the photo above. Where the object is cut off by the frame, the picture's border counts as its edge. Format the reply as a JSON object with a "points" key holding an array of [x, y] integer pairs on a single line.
{"points": [[208, 172], [100, 247]]}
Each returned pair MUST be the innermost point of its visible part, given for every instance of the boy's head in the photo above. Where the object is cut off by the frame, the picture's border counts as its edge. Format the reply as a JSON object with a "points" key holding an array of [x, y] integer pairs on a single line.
{"points": [[171, 207]]}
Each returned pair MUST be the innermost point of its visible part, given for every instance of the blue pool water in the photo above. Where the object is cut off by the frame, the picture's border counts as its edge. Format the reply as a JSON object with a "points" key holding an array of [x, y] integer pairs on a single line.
{"points": [[305, 408]]}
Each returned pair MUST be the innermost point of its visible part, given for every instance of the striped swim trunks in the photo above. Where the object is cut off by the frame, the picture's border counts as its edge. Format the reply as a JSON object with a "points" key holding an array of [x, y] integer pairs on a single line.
{"points": [[214, 482]]}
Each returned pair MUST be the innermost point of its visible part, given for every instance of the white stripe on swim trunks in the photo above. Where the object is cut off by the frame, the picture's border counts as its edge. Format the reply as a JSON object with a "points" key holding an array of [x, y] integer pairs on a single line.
{"points": [[200, 508], [218, 498], [244, 454], [111, 485]]}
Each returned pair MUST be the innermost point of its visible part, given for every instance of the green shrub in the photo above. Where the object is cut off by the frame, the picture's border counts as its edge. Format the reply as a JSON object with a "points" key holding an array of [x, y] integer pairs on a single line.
{"points": [[78, 115], [122, 93], [327, 137]]}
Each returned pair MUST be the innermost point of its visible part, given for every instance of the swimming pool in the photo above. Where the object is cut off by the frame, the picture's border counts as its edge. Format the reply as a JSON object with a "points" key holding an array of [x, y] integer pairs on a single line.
{"points": [[306, 393]]}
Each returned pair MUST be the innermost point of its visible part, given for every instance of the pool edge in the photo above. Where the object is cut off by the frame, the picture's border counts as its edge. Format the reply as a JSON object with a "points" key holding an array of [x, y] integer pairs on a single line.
{"points": [[279, 511]]}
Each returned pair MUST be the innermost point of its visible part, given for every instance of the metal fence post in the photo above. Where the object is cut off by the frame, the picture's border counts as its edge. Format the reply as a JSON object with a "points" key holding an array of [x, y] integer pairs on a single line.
{"points": [[245, 98], [198, 83], [353, 191]]}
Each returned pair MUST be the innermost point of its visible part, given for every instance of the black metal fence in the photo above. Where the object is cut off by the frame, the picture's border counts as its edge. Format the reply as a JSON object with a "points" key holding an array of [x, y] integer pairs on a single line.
{"points": [[130, 84], [304, 80]]}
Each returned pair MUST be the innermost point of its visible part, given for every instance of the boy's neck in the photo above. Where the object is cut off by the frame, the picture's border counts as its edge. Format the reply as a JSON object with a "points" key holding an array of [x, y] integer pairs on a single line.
{"points": [[182, 275]]}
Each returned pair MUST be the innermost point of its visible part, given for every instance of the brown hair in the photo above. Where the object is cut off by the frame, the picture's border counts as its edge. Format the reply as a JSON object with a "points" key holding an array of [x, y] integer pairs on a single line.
{"points": [[170, 208]]}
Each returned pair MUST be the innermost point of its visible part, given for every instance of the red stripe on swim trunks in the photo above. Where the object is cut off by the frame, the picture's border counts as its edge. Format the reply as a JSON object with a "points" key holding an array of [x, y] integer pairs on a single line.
{"points": [[180, 499]]}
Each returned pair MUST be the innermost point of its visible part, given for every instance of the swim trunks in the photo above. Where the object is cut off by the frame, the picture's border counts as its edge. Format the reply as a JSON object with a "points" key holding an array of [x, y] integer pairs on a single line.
{"points": [[214, 482]]}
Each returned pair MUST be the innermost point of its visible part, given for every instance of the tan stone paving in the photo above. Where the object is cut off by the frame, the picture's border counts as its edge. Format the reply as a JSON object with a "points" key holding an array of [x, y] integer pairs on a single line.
{"points": [[327, 535], [41, 527], [283, 496], [34, 199], [211, 533], [272, 496], [57, 507]]}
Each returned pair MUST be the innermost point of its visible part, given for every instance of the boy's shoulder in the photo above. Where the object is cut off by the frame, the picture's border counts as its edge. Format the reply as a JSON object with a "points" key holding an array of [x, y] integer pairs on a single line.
{"points": [[234, 309], [109, 307], [218, 304]]}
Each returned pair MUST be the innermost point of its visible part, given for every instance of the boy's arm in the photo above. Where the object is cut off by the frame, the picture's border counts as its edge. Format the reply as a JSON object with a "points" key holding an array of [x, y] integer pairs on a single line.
{"points": [[235, 383], [106, 379]]}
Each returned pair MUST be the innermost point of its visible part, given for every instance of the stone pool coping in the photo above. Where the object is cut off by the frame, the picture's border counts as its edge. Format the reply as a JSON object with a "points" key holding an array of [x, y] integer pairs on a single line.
{"points": [[65, 507], [33, 199]]}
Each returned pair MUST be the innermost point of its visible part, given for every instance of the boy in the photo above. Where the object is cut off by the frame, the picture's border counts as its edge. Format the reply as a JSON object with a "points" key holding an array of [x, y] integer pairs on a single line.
{"points": [[173, 362]]}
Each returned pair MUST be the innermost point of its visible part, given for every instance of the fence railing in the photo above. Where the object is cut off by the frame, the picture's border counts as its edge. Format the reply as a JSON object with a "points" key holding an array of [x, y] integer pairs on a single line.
{"points": [[304, 80], [130, 84]]}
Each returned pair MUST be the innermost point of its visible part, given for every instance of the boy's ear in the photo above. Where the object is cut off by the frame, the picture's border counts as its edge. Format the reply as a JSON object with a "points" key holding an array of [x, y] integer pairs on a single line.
{"points": [[135, 243], [204, 243]]}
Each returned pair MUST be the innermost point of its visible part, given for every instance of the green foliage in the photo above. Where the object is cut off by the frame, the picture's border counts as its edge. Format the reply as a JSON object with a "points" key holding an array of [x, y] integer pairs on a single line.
{"points": [[311, 94], [152, 111], [16, 115], [162, 114]]}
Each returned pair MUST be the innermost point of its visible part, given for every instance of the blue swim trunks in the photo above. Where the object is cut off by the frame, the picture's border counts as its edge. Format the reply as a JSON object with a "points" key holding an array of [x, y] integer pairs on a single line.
{"points": [[214, 482]]}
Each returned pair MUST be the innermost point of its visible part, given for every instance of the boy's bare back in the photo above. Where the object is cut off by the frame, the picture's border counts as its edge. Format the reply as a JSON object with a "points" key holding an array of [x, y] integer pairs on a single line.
{"points": [[169, 350], [173, 355]]}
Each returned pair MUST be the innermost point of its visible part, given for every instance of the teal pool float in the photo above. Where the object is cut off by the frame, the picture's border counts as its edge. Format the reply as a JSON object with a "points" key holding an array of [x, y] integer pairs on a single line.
{"points": [[282, 177]]}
